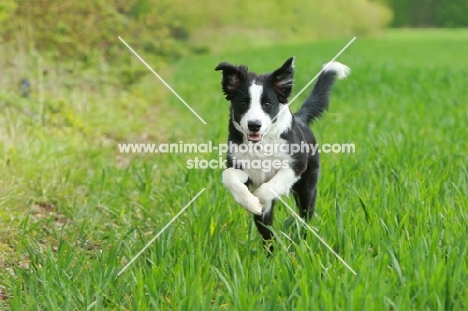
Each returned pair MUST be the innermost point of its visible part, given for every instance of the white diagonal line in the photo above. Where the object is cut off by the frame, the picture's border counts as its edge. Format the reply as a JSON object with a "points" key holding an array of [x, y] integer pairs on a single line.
{"points": [[314, 78], [315, 233], [162, 80], [324, 68], [160, 232]]}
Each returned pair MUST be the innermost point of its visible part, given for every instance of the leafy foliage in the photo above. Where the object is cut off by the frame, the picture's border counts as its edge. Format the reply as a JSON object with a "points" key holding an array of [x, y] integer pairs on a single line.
{"points": [[88, 29], [81, 30], [429, 13], [300, 20]]}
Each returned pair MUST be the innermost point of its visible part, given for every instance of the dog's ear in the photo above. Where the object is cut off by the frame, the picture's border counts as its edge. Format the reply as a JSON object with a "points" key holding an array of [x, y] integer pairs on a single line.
{"points": [[282, 79], [233, 76]]}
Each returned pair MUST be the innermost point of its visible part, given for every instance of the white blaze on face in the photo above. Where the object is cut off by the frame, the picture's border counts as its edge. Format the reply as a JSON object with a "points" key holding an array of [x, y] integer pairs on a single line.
{"points": [[255, 111]]}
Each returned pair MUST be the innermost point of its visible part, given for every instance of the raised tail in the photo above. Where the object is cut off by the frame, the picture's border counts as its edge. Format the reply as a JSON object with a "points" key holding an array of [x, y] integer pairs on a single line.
{"points": [[317, 102]]}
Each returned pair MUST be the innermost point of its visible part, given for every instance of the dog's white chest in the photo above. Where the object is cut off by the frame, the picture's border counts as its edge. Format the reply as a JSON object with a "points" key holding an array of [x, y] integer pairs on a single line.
{"points": [[262, 162]]}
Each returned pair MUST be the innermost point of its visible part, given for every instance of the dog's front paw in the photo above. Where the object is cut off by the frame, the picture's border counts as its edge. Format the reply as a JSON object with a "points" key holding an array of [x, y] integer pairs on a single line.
{"points": [[246, 199], [253, 205], [264, 194]]}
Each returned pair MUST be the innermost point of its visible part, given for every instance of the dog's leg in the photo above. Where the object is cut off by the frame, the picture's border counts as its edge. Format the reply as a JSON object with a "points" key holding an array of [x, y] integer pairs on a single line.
{"points": [[305, 200], [234, 180], [280, 184], [263, 221], [305, 194]]}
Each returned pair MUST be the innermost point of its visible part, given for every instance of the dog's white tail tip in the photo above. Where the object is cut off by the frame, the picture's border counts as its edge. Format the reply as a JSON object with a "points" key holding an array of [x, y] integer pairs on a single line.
{"points": [[342, 71]]}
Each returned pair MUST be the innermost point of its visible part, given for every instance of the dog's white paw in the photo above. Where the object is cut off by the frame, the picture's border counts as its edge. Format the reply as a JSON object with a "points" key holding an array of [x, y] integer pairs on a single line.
{"points": [[264, 194], [247, 200], [253, 205]]}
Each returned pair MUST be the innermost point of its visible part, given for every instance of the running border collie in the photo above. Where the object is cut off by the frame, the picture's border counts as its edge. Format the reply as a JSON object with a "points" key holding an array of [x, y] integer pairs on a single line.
{"points": [[260, 116]]}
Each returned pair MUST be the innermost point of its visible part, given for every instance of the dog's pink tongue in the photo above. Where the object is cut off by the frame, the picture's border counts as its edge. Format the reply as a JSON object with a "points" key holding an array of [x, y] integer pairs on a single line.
{"points": [[255, 137]]}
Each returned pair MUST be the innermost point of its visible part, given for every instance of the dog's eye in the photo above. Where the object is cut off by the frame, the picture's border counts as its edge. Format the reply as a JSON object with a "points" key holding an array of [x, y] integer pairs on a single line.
{"points": [[243, 104], [266, 105]]}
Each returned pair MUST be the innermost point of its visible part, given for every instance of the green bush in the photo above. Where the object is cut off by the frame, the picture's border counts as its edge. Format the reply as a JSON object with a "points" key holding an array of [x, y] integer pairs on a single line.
{"points": [[429, 13], [84, 29], [452, 13], [7, 7], [300, 19]]}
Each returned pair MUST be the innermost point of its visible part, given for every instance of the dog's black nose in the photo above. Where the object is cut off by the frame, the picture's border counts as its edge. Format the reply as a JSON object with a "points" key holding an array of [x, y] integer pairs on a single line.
{"points": [[254, 125]]}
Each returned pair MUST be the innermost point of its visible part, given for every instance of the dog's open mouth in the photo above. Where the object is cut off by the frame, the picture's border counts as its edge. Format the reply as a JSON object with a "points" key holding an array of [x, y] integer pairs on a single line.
{"points": [[255, 137]]}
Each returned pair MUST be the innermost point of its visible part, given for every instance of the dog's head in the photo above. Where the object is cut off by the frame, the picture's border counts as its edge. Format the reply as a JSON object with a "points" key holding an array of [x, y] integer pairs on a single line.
{"points": [[255, 99]]}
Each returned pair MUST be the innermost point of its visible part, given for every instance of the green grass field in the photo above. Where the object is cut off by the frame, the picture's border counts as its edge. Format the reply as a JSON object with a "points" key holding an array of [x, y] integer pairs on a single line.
{"points": [[74, 211]]}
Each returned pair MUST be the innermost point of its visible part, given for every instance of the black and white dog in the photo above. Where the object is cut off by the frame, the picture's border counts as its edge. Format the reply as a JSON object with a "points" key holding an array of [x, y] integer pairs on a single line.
{"points": [[260, 117]]}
